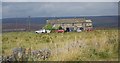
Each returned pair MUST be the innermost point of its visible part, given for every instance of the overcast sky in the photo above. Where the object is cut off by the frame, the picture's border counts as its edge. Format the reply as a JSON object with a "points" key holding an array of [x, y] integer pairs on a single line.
{"points": [[60, 0], [60, 9]]}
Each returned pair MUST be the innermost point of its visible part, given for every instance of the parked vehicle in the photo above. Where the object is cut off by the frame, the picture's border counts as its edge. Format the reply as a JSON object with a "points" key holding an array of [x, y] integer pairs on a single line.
{"points": [[89, 29], [79, 29], [60, 31], [48, 31], [43, 31]]}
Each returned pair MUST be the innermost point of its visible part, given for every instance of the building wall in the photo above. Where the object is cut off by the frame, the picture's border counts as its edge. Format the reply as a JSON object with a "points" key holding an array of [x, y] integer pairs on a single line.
{"points": [[64, 26], [85, 24]]}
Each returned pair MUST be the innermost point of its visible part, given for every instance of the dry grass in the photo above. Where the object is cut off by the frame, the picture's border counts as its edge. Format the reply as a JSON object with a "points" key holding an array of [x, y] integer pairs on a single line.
{"points": [[94, 45]]}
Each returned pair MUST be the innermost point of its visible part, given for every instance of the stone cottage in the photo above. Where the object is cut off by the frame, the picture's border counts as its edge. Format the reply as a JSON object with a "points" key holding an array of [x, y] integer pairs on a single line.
{"points": [[71, 24]]}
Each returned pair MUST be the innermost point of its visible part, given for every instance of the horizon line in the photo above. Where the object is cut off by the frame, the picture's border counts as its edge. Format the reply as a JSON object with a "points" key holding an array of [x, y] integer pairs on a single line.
{"points": [[56, 16]]}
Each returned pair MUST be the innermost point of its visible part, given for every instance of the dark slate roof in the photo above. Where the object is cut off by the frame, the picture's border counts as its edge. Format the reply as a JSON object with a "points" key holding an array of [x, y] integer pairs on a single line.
{"points": [[70, 20]]}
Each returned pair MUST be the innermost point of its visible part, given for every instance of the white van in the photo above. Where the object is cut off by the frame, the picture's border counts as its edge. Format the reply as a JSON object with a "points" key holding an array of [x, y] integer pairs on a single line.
{"points": [[43, 31]]}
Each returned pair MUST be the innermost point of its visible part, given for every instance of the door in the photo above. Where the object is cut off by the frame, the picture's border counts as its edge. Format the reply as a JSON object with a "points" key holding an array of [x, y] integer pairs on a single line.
{"points": [[67, 29]]}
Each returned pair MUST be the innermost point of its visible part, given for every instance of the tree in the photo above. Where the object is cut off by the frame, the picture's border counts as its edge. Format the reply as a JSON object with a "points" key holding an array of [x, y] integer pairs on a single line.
{"points": [[48, 27], [60, 28]]}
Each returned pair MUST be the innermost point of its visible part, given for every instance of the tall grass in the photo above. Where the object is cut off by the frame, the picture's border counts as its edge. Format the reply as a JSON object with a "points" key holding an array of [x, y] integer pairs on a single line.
{"points": [[94, 45]]}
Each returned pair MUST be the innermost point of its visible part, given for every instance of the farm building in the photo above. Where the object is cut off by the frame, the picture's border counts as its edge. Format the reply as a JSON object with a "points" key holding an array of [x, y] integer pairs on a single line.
{"points": [[71, 24]]}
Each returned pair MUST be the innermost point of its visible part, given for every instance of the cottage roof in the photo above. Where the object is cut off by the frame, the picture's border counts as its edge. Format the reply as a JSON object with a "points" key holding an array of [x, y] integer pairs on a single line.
{"points": [[69, 20]]}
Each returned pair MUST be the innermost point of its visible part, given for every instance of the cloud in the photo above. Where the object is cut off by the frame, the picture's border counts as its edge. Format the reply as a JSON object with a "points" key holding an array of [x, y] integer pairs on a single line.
{"points": [[60, 0], [47, 9], [0, 10]]}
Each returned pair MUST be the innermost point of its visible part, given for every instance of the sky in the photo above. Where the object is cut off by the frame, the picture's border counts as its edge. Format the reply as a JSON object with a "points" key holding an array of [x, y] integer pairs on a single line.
{"points": [[0, 10], [60, 0], [57, 8]]}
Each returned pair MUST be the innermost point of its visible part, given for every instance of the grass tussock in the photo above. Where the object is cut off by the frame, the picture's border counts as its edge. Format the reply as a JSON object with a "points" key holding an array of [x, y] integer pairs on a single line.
{"points": [[85, 46]]}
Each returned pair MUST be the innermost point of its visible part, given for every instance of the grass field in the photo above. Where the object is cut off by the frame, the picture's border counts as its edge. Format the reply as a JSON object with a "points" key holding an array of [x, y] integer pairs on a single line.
{"points": [[85, 46]]}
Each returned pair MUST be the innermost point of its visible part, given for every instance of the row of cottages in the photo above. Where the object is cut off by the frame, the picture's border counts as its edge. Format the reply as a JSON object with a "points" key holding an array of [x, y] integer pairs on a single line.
{"points": [[71, 23]]}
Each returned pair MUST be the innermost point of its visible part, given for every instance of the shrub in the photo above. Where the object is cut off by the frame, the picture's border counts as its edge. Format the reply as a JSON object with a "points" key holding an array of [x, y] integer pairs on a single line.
{"points": [[48, 27], [94, 45], [103, 55], [60, 28]]}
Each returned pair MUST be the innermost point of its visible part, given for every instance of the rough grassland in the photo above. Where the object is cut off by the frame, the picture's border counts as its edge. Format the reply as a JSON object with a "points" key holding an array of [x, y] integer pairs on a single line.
{"points": [[73, 46]]}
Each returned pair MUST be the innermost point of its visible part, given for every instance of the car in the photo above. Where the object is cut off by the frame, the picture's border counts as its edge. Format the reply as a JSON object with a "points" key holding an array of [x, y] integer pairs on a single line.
{"points": [[79, 30], [43, 31], [48, 31], [89, 29], [60, 31], [40, 31]]}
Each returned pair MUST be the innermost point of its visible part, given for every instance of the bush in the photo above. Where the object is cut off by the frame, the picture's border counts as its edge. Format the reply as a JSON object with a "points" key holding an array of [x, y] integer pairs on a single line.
{"points": [[60, 28], [48, 27], [103, 55]]}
